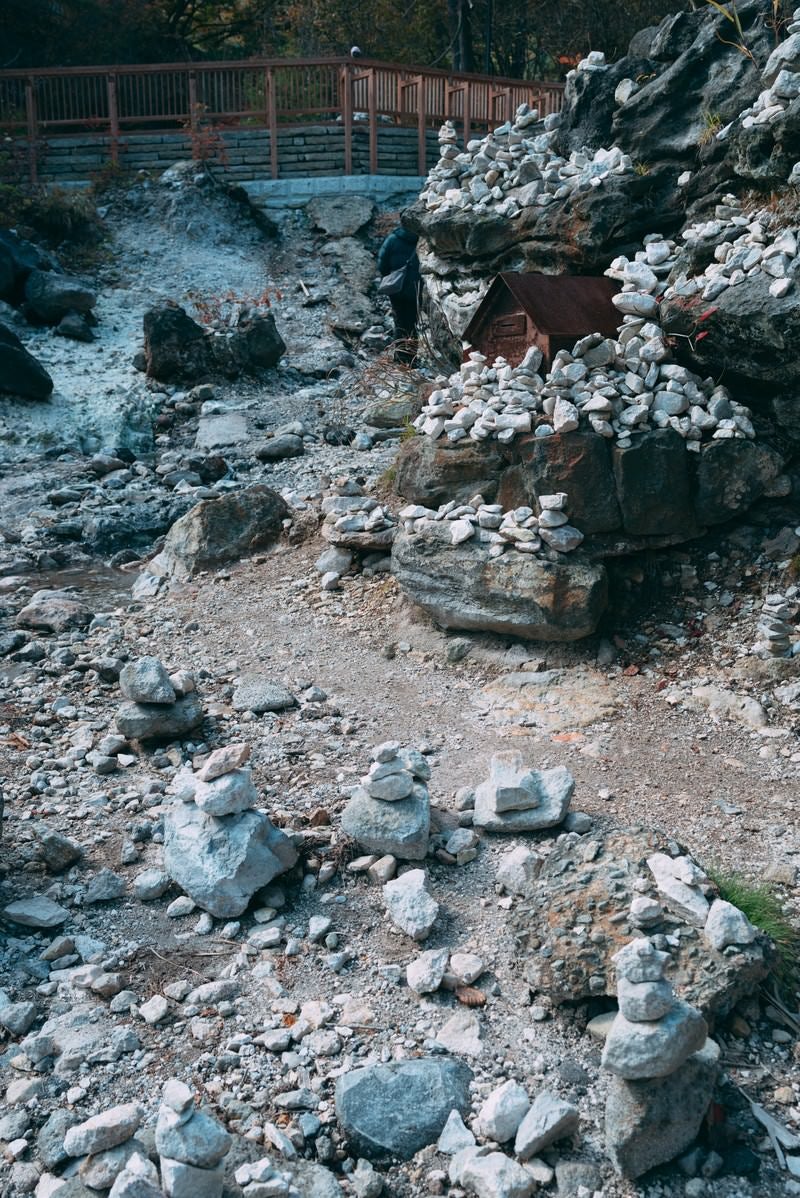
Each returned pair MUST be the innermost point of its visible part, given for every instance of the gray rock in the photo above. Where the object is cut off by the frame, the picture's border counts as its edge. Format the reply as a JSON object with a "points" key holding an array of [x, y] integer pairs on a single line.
{"points": [[496, 1176], [574, 1179], [334, 561], [50, 1140], [400, 829], [231, 793], [650, 1122], [56, 850], [287, 445], [54, 611], [727, 925], [17, 1017], [200, 1141], [180, 1180], [549, 1119], [518, 869], [104, 1131], [100, 1171], [454, 1136], [643, 1002], [399, 1108], [518, 594], [36, 912], [222, 530], [151, 884], [221, 863], [549, 793], [146, 681], [409, 905], [424, 974], [152, 721], [256, 693], [139, 1179], [503, 1111], [647, 1050], [104, 887]]}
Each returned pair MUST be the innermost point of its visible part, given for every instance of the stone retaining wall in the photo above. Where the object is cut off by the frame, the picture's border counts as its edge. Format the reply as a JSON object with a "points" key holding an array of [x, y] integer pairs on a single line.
{"points": [[310, 151]]}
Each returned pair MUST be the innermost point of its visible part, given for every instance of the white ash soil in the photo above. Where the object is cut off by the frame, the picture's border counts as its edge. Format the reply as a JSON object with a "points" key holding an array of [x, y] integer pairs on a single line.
{"points": [[665, 766]]}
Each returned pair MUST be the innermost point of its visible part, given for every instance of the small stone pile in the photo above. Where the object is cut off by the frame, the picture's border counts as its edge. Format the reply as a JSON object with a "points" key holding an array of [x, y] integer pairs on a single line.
{"points": [[262, 1179], [487, 523], [781, 79], [517, 799], [776, 631], [744, 247], [515, 167], [664, 1068], [160, 705], [613, 388], [216, 847], [104, 1144], [355, 520], [389, 812], [191, 1146]]}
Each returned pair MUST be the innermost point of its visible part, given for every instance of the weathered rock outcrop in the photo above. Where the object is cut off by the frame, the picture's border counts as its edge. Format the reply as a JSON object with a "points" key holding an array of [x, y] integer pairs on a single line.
{"points": [[461, 586], [176, 348]]}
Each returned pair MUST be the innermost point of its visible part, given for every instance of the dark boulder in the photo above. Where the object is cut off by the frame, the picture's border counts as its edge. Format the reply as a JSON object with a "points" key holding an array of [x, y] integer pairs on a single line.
{"points": [[578, 463], [132, 526], [75, 326], [20, 373], [731, 475], [654, 486], [263, 343], [50, 296], [432, 472], [176, 347]]}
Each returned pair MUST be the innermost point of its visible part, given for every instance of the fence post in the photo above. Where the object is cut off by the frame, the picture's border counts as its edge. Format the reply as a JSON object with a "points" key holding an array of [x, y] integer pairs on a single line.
{"points": [[467, 111], [373, 123], [272, 118], [113, 117], [32, 124], [193, 105], [346, 97], [422, 140]]}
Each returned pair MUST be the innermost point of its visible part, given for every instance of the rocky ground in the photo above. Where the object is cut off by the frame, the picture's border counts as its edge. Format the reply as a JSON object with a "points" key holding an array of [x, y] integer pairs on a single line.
{"points": [[665, 719]]}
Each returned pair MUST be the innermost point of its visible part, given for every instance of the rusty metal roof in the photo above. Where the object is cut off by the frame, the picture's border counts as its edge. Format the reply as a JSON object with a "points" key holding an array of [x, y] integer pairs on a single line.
{"points": [[559, 305]]}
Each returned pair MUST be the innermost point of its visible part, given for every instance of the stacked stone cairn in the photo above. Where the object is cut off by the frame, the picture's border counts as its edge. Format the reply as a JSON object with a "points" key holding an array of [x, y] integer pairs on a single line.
{"points": [[486, 523], [159, 705], [514, 167], [663, 1066], [776, 632], [746, 245], [389, 812], [216, 847], [515, 798], [354, 519], [191, 1146]]}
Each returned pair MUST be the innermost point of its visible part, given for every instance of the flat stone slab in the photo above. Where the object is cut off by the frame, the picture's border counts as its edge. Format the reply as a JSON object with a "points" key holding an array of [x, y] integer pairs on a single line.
{"points": [[215, 432]]}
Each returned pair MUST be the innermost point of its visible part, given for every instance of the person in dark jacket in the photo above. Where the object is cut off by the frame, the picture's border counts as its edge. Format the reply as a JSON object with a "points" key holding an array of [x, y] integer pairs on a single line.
{"points": [[398, 250]]}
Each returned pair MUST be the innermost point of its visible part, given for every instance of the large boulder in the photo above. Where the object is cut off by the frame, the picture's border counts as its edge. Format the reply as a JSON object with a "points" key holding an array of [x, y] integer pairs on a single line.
{"points": [[433, 472], [222, 530], [600, 887], [220, 862], [731, 475], [49, 296], [20, 373], [654, 485], [54, 611], [519, 594], [399, 1108], [578, 463], [176, 348]]}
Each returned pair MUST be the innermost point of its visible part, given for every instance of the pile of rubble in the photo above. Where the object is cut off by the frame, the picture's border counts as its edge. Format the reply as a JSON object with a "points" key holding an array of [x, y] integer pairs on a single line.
{"points": [[515, 166], [488, 524]]}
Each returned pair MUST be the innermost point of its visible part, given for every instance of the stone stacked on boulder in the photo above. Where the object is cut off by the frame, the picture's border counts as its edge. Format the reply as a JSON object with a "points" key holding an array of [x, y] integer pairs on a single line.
{"points": [[355, 520], [514, 167], [776, 632], [664, 1068], [486, 523], [191, 1146], [216, 847], [390, 811], [159, 706], [515, 798]]}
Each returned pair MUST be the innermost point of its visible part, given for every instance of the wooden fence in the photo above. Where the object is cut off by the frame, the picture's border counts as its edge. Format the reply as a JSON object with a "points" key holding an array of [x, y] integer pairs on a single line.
{"points": [[258, 93]]}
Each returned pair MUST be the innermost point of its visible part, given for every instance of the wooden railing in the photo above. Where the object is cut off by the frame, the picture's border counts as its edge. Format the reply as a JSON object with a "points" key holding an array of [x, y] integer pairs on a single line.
{"points": [[258, 93]]}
